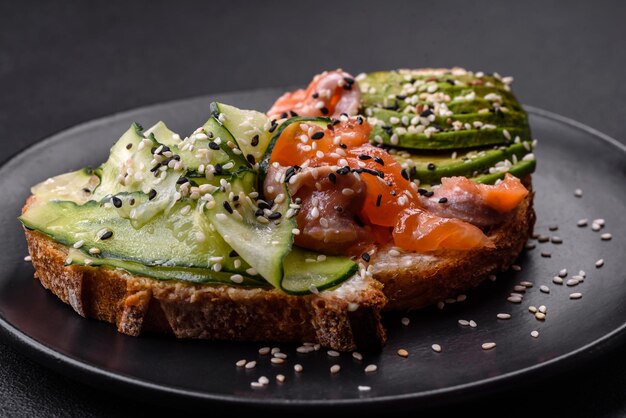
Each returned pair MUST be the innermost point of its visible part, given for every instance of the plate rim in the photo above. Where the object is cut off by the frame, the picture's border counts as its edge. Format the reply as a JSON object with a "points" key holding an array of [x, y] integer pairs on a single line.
{"points": [[93, 375]]}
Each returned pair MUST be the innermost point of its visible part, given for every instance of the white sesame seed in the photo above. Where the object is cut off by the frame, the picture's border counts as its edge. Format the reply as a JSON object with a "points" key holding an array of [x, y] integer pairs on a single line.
{"points": [[335, 368], [251, 364], [347, 192], [275, 350], [532, 309], [280, 378], [514, 299], [599, 221], [582, 222], [94, 250], [488, 346], [221, 217], [572, 282], [441, 305], [504, 316], [436, 348], [543, 309], [264, 380], [236, 278], [78, 244], [578, 193], [582, 273], [599, 263], [280, 355], [371, 368], [473, 324], [405, 321], [493, 277], [241, 363], [557, 280], [540, 316], [298, 368], [534, 334], [527, 284], [332, 353], [68, 260], [28, 258], [519, 288], [264, 351], [544, 289], [403, 353], [563, 273], [305, 349], [461, 298], [463, 322], [277, 360], [516, 267], [357, 356], [256, 385], [575, 295], [364, 388], [606, 237]]}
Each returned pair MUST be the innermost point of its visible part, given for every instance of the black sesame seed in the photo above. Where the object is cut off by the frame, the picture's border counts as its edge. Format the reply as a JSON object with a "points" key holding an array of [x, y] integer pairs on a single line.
{"points": [[284, 115], [129, 146], [117, 202], [343, 170], [379, 160], [236, 198], [259, 212], [315, 95], [342, 145], [365, 157], [387, 129], [338, 208], [379, 198], [333, 178], [324, 110], [431, 166], [182, 180], [86, 190], [400, 97], [218, 169], [443, 200], [405, 173], [262, 204], [426, 113], [359, 120], [213, 146], [227, 206], [254, 141], [106, 235], [293, 114], [429, 194], [413, 172], [318, 135], [422, 192], [251, 159], [450, 81], [152, 194], [273, 127], [365, 257], [274, 216]]}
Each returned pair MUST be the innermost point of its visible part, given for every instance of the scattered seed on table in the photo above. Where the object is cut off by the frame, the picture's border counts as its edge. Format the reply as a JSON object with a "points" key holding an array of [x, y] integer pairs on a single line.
{"points": [[530, 246], [371, 368], [578, 193], [441, 305], [572, 282], [28, 258], [534, 334], [527, 284], [557, 280], [546, 254], [405, 321], [582, 273], [540, 316], [275, 350], [596, 227], [436, 348], [403, 353], [579, 278], [575, 295], [556, 240], [543, 309], [563, 272], [277, 360], [264, 350], [241, 363], [521, 295], [256, 385], [504, 316], [473, 324], [364, 388], [599, 221], [599, 263], [280, 378], [357, 356], [543, 238], [251, 364], [335, 368], [514, 299], [463, 322], [553, 227], [332, 353], [532, 309], [544, 289], [264, 380], [519, 288], [582, 222], [488, 346], [298, 368], [606, 237]]}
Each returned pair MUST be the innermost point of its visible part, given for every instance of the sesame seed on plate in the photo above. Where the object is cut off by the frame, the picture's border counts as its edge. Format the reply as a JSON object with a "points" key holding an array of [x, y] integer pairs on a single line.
{"points": [[572, 282], [264, 350], [364, 388], [504, 316], [251, 364], [280, 355], [405, 321], [264, 380], [530, 246], [543, 309], [516, 267], [527, 284], [332, 353], [557, 280], [403, 353], [553, 227], [277, 360], [540, 316], [544, 289], [335, 368], [595, 227], [463, 322], [546, 254], [256, 385], [534, 334], [599, 263], [357, 356], [514, 299], [488, 346], [575, 295], [582, 222], [578, 193], [493, 277], [473, 324], [606, 237], [241, 363], [599, 221], [280, 378], [371, 368], [556, 240], [28, 258], [532, 309], [436, 348], [461, 298], [519, 288], [298, 368], [563, 272]]}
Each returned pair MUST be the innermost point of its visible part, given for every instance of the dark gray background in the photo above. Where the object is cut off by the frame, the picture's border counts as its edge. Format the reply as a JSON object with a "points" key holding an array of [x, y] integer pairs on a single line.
{"points": [[62, 63]]}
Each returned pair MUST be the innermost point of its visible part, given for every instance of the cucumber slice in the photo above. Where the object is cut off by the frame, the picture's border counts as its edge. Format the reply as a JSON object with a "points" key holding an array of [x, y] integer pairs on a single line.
{"points": [[263, 245], [75, 186], [308, 271], [249, 128], [192, 275]]}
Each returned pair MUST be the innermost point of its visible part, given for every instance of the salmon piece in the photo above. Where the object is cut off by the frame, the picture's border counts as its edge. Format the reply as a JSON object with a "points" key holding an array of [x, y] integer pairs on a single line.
{"points": [[331, 93], [420, 231], [505, 195]]}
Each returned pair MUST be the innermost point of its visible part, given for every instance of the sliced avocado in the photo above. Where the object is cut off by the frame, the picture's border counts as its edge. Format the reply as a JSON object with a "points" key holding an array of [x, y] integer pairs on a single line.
{"points": [[430, 168], [519, 169]]}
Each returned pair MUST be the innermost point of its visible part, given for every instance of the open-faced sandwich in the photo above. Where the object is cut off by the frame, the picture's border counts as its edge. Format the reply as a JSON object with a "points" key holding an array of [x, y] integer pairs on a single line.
{"points": [[391, 190]]}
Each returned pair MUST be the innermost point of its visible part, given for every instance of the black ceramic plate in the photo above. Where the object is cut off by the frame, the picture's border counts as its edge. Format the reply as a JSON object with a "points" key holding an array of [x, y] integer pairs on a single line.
{"points": [[570, 156]]}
